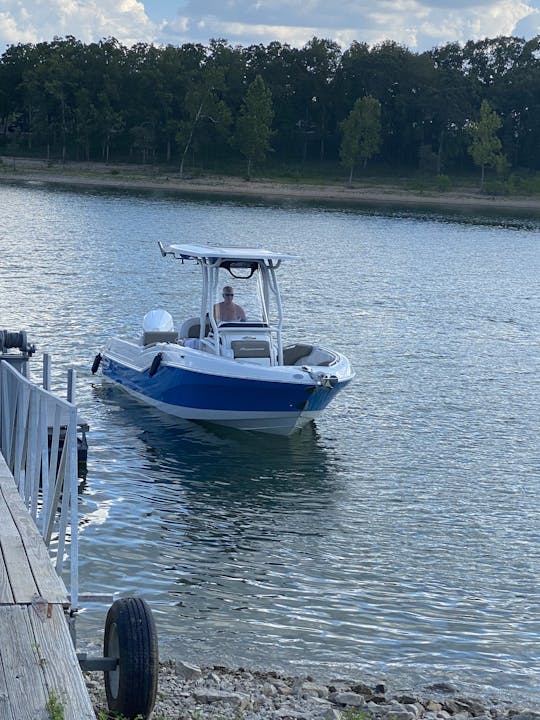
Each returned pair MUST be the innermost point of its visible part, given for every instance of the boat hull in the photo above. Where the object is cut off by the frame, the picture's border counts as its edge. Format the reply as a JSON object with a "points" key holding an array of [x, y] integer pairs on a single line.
{"points": [[272, 400]]}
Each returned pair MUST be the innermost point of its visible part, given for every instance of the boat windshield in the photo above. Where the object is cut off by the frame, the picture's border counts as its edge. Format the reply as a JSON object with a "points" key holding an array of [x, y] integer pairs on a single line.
{"points": [[238, 295]]}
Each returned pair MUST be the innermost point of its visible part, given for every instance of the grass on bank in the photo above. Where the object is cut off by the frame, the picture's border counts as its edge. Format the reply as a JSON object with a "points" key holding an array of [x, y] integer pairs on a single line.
{"points": [[518, 183]]}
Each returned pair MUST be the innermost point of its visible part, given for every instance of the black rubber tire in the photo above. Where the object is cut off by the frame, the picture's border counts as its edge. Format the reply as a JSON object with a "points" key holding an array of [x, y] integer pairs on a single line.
{"points": [[131, 638]]}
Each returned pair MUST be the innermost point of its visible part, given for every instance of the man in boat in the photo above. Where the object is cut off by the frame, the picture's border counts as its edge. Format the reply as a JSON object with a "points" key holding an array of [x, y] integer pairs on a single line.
{"points": [[227, 310]]}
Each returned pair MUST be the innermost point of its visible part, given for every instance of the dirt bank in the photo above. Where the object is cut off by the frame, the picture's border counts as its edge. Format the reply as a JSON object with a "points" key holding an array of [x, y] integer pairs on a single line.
{"points": [[145, 178]]}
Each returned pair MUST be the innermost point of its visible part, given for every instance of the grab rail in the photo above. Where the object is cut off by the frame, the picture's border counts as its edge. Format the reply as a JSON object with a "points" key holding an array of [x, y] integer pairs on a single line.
{"points": [[38, 439]]}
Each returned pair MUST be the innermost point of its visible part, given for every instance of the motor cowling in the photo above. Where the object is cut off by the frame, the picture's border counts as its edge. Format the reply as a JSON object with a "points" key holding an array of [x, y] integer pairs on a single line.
{"points": [[158, 321]]}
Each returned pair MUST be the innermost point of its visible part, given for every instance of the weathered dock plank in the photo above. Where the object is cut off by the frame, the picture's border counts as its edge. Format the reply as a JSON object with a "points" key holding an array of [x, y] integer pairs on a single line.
{"points": [[6, 711], [6, 595], [17, 566], [60, 666], [47, 582], [38, 662], [29, 567], [23, 674], [37, 657]]}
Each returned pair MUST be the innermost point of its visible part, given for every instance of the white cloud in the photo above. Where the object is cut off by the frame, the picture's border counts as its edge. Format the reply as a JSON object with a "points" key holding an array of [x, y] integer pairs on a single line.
{"points": [[417, 24], [478, 22], [529, 26], [87, 20], [11, 31], [292, 35]]}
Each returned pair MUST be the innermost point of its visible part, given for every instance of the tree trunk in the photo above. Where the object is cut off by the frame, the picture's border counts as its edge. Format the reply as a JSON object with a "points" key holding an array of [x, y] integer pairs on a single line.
{"points": [[440, 152], [63, 106], [190, 138], [30, 126]]}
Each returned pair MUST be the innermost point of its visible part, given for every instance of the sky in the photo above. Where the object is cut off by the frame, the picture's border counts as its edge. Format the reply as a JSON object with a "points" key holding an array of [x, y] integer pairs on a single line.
{"points": [[417, 24]]}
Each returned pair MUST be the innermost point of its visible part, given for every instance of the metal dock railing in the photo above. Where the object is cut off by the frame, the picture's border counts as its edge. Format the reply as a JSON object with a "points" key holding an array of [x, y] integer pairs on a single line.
{"points": [[39, 668]]}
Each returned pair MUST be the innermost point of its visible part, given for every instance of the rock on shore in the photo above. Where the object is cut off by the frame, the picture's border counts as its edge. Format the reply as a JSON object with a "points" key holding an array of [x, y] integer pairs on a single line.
{"points": [[216, 692]]}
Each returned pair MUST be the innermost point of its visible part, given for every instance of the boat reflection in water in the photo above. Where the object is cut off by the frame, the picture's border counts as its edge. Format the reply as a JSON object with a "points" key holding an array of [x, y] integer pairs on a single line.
{"points": [[213, 460]]}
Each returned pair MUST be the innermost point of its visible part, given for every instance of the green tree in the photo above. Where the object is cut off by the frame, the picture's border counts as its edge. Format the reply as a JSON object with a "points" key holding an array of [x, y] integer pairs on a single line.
{"points": [[361, 133], [13, 65], [254, 124], [203, 106], [317, 63], [485, 147], [110, 124], [67, 100], [277, 65], [451, 102]]}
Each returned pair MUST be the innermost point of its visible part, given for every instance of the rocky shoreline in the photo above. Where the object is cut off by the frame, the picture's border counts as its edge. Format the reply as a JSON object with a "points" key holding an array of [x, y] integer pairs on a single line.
{"points": [[220, 693]]}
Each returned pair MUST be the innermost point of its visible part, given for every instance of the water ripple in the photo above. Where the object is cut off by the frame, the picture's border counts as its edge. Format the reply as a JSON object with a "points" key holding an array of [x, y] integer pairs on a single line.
{"points": [[400, 538]]}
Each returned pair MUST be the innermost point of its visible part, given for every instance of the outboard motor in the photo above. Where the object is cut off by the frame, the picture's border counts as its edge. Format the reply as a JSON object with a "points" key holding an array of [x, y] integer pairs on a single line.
{"points": [[158, 326], [158, 321]]}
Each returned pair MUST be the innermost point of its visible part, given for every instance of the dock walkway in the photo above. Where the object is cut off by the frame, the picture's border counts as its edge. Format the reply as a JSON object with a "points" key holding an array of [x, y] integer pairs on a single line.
{"points": [[38, 663]]}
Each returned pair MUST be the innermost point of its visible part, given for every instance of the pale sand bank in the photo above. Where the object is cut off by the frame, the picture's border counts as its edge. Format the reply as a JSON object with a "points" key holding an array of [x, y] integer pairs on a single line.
{"points": [[142, 178]]}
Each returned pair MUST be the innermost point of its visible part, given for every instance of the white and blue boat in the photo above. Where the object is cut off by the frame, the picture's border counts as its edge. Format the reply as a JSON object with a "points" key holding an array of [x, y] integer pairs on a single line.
{"points": [[239, 372]]}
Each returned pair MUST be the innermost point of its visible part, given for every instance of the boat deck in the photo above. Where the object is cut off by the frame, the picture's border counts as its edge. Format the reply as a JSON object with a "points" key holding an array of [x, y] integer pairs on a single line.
{"points": [[38, 663]]}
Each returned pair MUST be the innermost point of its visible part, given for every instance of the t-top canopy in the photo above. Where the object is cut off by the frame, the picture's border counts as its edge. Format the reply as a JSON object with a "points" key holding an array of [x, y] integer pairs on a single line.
{"points": [[213, 253]]}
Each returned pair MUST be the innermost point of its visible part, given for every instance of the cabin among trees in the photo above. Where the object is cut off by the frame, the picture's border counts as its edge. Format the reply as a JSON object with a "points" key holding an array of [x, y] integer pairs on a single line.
{"points": [[215, 107]]}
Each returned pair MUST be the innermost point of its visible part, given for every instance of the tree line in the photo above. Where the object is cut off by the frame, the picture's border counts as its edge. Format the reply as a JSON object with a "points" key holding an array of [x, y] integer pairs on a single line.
{"points": [[211, 106]]}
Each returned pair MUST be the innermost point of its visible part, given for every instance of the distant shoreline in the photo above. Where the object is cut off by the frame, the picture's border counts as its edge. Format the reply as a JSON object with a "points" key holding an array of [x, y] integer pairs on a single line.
{"points": [[138, 177]]}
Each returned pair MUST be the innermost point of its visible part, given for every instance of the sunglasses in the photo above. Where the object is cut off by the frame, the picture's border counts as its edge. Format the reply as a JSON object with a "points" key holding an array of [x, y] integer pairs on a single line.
{"points": [[228, 294]]}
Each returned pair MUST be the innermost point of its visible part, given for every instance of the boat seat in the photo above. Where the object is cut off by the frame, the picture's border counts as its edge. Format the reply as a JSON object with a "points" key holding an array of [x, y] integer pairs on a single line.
{"points": [[293, 353], [157, 336], [318, 357], [250, 348], [191, 328]]}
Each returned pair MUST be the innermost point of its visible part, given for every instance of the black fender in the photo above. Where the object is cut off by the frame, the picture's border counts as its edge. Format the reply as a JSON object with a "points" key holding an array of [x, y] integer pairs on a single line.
{"points": [[96, 363], [156, 362]]}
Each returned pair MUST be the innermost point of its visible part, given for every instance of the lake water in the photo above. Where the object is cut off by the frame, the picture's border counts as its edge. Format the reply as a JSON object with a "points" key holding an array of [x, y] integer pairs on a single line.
{"points": [[399, 538]]}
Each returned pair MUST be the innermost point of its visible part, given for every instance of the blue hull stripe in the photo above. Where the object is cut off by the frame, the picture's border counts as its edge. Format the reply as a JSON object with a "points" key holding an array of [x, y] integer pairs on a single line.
{"points": [[184, 388]]}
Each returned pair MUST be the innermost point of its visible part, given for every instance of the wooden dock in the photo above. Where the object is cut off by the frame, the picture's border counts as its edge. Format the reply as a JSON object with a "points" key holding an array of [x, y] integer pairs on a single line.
{"points": [[38, 663]]}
